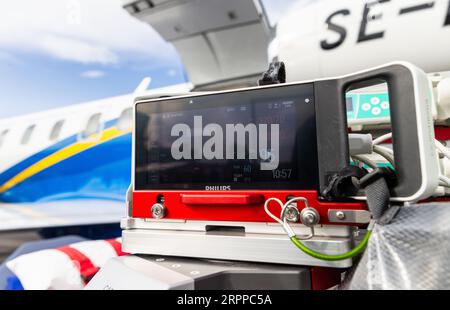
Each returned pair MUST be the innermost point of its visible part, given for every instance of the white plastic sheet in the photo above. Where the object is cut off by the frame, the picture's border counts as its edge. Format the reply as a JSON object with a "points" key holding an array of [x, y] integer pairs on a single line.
{"points": [[412, 252]]}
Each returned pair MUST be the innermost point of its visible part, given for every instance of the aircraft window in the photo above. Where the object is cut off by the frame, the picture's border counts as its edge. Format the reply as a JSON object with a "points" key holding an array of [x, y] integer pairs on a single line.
{"points": [[56, 130], [93, 125], [27, 134], [3, 136], [125, 120]]}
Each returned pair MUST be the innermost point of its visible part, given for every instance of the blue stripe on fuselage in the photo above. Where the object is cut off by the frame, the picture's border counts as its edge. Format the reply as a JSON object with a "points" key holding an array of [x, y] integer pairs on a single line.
{"points": [[101, 172], [84, 175], [16, 169]]}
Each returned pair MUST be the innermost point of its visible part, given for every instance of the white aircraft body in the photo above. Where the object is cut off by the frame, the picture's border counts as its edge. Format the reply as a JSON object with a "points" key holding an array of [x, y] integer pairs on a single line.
{"points": [[68, 166], [331, 38]]}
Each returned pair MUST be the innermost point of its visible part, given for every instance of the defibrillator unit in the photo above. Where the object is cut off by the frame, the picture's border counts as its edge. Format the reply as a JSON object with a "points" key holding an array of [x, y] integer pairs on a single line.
{"points": [[208, 160]]}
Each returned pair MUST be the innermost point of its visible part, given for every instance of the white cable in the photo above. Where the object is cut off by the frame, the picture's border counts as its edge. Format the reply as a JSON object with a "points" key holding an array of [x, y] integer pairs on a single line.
{"points": [[286, 225], [287, 228], [382, 138], [443, 149], [386, 149], [385, 152], [266, 208], [445, 180], [365, 160], [359, 143]]}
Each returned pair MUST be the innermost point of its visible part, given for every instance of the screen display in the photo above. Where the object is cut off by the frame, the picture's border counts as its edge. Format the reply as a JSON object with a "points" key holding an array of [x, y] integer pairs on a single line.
{"points": [[247, 139]]}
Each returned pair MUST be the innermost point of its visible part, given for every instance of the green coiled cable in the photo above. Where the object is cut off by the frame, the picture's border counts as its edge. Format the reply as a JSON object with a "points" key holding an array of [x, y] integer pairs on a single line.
{"points": [[355, 251]]}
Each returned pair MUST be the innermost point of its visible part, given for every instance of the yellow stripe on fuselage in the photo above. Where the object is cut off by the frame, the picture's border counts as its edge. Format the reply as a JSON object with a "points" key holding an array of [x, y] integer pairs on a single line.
{"points": [[61, 155]]}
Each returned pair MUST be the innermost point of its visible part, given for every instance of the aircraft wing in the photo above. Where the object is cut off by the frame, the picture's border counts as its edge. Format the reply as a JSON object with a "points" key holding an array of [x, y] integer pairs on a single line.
{"points": [[59, 213], [221, 42]]}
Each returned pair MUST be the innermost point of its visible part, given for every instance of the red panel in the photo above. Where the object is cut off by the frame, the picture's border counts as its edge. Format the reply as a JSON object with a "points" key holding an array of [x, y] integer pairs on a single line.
{"points": [[229, 199], [324, 278], [442, 133], [228, 209]]}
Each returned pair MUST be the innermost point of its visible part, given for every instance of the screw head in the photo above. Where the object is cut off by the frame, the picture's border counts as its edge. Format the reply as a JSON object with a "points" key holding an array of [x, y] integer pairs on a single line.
{"points": [[309, 217], [340, 215], [158, 211], [291, 213]]}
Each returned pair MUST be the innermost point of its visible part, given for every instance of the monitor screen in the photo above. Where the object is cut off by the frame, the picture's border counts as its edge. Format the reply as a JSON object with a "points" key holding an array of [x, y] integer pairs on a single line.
{"points": [[246, 139]]}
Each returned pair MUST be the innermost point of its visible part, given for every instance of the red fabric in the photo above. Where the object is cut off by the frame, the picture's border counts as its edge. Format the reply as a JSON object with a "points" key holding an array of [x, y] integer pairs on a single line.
{"points": [[117, 246], [87, 268]]}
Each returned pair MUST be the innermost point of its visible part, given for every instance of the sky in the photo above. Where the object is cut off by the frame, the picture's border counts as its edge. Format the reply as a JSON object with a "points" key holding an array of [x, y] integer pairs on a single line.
{"points": [[60, 52]]}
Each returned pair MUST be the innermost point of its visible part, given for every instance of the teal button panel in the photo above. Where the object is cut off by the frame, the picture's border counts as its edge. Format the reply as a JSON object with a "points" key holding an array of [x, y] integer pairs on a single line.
{"points": [[367, 106]]}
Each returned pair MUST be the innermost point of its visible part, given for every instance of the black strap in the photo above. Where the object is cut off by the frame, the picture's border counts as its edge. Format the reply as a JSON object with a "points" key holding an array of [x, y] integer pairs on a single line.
{"points": [[378, 196], [276, 74], [342, 184], [351, 179]]}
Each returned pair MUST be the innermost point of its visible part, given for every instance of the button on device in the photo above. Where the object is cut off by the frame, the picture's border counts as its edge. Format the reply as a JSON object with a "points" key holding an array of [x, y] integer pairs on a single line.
{"points": [[376, 111], [375, 100], [366, 106]]}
